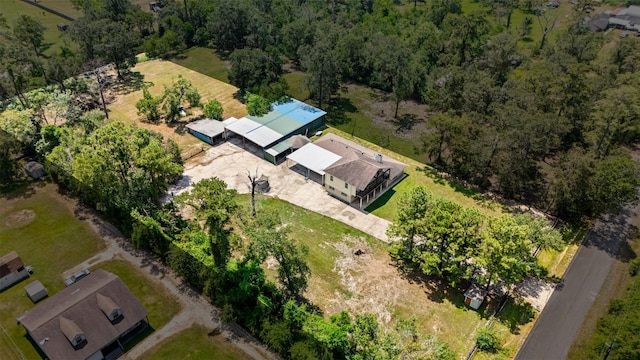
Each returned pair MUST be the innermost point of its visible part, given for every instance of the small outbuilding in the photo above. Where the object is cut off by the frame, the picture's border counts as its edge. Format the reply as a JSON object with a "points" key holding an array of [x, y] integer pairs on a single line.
{"points": [[34, 169], [63, 27], [12, 270], [36, 291], [208, 130], [474, 296]]}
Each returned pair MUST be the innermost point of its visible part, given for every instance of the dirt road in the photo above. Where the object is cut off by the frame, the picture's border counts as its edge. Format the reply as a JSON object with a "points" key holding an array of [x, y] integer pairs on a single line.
{"points": [[196, 309]]}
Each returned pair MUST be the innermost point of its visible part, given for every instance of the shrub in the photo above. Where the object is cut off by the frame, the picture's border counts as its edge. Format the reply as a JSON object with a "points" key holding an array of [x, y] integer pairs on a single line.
{"points": [[634, 267], [487, 340], [213, 110]]}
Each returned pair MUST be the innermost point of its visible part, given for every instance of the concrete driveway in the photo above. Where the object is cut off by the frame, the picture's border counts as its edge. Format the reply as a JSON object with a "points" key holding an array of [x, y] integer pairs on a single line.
{"points": [[231, 162]]}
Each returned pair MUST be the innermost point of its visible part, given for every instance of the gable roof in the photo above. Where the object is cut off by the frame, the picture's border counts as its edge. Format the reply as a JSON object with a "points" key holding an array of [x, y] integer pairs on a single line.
{"points": [[10, 263], [78, 304]]}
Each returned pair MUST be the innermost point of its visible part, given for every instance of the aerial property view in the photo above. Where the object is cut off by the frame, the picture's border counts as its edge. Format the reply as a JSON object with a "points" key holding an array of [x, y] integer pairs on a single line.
{"points": [[239, 179]]}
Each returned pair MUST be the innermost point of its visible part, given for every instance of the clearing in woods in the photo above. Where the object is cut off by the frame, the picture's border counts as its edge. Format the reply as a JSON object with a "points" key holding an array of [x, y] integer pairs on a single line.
{"points": [[156, 74]]}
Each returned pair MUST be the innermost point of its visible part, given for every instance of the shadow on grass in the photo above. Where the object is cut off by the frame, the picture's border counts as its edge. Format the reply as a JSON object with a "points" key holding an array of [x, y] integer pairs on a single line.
{"points": [[337, 111], [381, 201], [438, 290], [448, 180], [516, 313], [131, 81], [21, 189], [138, 337], [36, 347]]}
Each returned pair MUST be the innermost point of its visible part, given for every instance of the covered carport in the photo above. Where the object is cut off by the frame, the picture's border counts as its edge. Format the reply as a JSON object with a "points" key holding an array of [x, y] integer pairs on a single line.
{"points": [[313, 160], [207, 130]]}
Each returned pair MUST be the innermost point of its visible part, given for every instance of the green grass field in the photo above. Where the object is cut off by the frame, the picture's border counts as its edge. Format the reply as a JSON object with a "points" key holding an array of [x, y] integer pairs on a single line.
{"points": [[204, 61], [196, 343], [12, 9], [52, 242]]}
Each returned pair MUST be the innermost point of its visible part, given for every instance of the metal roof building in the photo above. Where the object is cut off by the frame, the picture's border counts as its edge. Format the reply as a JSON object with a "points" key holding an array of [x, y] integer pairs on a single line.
{"points": [[270, 131], [207, 130]]}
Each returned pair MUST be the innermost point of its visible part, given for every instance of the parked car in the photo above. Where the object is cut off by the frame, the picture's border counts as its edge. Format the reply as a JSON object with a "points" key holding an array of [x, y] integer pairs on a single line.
{"points": [[75, 277]]}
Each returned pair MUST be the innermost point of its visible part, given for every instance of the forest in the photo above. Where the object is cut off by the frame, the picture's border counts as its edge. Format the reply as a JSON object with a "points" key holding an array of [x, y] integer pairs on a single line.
{"points": [[540, 110]]}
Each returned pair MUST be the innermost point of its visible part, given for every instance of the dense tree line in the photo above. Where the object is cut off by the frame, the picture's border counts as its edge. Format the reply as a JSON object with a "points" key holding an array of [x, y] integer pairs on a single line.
{"points": [[439, 237], [546, 123]]}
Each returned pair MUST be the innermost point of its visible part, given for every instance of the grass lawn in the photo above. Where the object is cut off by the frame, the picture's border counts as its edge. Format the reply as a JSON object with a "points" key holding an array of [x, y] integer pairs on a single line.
{"points": [[160, 304], [204, 61], [40, 225], [12, 9], [196, 343], [63, 6], [370, 283], [156, 74]]}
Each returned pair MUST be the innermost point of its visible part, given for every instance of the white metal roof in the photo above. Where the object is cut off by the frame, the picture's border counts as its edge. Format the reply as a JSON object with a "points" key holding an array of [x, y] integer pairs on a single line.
{"points": [[263, 136], [229, 121], [208, 127], [242, 126], [314, 158]]}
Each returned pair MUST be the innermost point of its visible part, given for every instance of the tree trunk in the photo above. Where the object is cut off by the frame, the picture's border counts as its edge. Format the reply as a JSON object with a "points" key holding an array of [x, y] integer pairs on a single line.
{"points": [[104, 104]]}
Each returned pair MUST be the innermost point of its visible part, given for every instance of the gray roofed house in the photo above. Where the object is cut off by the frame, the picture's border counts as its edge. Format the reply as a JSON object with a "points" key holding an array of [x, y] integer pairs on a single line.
{"points": [[12, 270], [90, 319]]}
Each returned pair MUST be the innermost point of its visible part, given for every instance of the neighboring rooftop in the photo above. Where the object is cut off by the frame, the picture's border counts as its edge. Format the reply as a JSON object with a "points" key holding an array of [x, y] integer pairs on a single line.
{"points": [[80, 310], [10, 263], [208, 127]]}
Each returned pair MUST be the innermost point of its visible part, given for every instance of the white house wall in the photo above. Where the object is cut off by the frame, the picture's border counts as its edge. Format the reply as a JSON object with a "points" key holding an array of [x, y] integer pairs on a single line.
{"points": [[339, 188], [13, 278]]}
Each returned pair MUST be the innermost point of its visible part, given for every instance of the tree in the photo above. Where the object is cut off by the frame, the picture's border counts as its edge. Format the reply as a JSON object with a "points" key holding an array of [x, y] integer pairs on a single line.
{"points": [[213, 204], [118, 45], [412, 208], [30, 32], [173, 96], [256, 104], [9, 167], [253, 69], [322, 69], [269, 237], [148, 105], [213, 109], [548, 20]]}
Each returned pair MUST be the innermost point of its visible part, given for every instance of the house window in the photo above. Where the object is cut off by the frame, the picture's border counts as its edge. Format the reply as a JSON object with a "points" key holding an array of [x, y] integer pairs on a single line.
{"points": [[331, 178], [346, 186], [331, 188], [343, 194]]}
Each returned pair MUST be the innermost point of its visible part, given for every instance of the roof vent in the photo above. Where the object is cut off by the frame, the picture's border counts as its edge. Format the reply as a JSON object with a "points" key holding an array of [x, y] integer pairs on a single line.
{"points": [[379, 158]]}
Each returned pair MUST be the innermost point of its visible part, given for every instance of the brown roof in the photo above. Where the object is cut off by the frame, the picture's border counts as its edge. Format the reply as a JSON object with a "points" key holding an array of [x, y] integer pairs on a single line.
{"points": [[79, 303], [69, 328], [106, 304], [10, 263], [358, 165]]}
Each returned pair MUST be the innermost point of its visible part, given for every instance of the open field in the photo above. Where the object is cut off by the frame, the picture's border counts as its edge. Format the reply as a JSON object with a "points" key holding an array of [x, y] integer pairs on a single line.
{"points": [[370, 283], [204, 61], [12, 9], [196, 343], [40, 225], [156, 74], [63, 6]]}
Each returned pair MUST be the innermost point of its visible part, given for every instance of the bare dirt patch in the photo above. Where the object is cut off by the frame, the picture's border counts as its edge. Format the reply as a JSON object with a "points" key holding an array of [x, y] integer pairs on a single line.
{"points": [[20, 218], [372, 285]]}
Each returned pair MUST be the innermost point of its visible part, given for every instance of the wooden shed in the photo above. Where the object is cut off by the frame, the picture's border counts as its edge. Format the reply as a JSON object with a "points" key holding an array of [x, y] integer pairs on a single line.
{"points": [[36, 291], [474, 296]]}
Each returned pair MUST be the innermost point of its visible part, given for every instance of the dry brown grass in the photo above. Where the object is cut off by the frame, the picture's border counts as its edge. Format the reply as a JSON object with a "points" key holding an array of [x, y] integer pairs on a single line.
{"points": [[156, 74]]}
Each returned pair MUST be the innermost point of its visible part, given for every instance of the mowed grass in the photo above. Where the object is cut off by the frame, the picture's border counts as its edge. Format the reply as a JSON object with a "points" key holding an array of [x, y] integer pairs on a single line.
{"points": [[196, 343], [63, 6], [370, 283], [204, 61], [158, 73], [54, 241], [12, 9], [158, 301]]}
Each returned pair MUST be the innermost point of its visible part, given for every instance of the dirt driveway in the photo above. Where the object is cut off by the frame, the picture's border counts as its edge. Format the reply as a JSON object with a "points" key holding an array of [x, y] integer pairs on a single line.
{"points": [[231, 162]]}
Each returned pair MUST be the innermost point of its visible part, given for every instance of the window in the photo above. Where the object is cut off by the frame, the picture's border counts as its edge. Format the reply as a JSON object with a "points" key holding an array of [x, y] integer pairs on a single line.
{"points": [[331, 188], [331, 178], [343, 194], [346, 186]]}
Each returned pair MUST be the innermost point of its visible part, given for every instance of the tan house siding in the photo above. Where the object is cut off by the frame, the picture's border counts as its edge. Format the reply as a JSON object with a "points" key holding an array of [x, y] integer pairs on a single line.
{"points": [[337, 188]]}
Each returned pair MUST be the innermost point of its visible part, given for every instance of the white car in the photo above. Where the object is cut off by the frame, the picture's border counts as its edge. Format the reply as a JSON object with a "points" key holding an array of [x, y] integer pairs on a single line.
{"points": [[75, 277]]}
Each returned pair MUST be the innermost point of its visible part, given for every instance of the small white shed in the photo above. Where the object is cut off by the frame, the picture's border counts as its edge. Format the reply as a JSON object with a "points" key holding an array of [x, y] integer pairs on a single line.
{"points": [[36, 291], [474, 296]]}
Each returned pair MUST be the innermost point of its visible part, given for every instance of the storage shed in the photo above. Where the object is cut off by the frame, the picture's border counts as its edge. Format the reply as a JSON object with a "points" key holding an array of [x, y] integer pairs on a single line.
{"points": [[34, 170], [474, 296], [208, 130], [36, 291]]}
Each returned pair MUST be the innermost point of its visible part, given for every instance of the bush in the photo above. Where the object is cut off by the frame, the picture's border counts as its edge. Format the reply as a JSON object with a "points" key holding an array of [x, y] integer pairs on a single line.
{"points": [[213, 110], [487, 340], [634, 267]]}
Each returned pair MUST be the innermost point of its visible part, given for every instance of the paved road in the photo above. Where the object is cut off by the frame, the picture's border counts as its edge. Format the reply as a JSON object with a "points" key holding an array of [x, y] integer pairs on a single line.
{"points": [[567, 308]]}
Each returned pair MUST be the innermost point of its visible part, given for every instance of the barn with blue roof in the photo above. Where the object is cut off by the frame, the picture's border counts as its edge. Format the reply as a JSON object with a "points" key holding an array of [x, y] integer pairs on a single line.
{"points": [[272, 132]]}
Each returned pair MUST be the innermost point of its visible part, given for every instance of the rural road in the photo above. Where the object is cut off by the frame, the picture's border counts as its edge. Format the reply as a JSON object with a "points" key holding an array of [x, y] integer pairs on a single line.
{"points": [[562, 318]]}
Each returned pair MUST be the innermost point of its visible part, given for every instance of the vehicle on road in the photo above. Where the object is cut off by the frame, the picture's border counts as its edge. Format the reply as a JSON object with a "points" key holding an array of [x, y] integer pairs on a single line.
{"points": [[76, 277]]}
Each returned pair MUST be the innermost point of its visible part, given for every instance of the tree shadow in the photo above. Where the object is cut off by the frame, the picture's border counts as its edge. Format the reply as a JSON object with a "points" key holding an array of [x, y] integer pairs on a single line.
{"points": [[465, 189], [406, 122], [21, 189], [612, 233], [337, 110], [516, 313], [131, 81]]}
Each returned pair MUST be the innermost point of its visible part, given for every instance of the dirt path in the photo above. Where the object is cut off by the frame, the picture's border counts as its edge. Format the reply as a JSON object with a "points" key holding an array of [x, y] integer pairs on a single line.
{"points": [[196, 309]]}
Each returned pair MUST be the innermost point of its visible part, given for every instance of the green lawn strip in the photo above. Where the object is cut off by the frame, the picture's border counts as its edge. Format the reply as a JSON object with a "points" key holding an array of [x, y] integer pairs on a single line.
{"points": [[160, 304], [196, 343], [12, 9], [63, 6], [204, 61], [52, 243]]}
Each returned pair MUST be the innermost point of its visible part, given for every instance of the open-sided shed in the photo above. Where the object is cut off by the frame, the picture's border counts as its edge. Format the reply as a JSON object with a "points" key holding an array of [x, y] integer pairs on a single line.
{"points": [[207, 130]]}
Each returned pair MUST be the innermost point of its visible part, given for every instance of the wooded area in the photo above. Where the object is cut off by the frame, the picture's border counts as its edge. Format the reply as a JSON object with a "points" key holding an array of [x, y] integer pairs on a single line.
{"points": [[550, 117]]}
